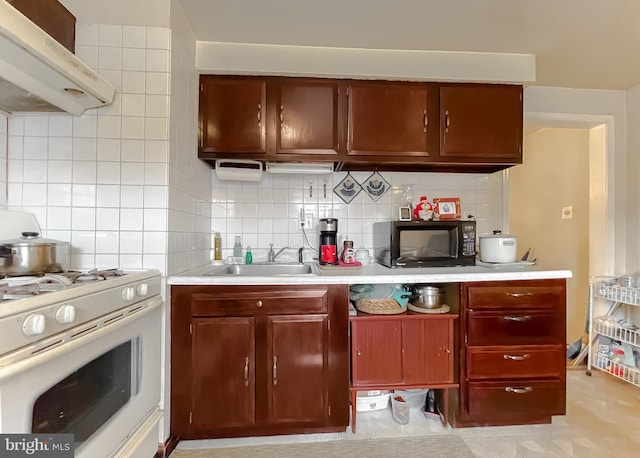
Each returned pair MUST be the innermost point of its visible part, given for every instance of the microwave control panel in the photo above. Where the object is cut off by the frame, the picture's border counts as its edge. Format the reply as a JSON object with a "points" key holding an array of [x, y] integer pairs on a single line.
{"points": [[468, 239]]}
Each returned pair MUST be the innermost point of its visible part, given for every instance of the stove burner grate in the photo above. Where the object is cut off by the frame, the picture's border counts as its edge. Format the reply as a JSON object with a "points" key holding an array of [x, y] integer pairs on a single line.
{"points": [[8, 292]]}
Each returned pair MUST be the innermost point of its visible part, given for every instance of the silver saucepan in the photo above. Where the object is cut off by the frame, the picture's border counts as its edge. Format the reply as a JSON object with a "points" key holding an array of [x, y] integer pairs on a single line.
{"points": [[33, 255], [428, 297]]}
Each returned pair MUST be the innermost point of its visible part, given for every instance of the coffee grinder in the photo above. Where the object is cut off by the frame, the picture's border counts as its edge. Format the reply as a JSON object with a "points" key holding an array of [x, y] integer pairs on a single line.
{"points": [[328, 252]]}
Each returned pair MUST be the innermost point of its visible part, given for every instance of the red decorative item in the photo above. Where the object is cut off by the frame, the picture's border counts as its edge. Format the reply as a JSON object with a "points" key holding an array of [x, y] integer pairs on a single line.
{"points": [[422, 206]]}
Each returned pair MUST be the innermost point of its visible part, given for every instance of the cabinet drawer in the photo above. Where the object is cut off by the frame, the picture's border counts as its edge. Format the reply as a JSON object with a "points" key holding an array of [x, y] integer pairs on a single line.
{"points": [[516, 362], [514, 295], [517, 327], [260, 302], [513, 398]]}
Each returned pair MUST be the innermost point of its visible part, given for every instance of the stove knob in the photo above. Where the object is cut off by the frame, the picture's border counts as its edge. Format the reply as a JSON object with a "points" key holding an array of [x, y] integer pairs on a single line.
{"points": [[128, 294], [142, 289], [66, 314], [33, 324]]}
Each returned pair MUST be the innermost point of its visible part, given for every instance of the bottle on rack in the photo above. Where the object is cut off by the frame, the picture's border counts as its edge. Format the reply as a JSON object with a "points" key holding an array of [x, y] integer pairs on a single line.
{"points": [[237, 247], [248, 258], [217, 247]]}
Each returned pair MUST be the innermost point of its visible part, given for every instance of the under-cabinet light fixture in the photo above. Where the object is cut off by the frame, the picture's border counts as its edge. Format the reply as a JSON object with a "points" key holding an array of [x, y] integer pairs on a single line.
{"points": [[299, 168]]}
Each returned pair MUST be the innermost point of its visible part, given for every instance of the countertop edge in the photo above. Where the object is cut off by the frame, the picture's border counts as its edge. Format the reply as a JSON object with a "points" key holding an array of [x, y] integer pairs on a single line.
{"points": [[374, 274]]}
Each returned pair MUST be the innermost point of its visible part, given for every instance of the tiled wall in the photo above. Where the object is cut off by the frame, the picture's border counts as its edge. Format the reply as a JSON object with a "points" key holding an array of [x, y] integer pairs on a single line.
{"points": [[100, 180], [267, 212], [3, 160]]}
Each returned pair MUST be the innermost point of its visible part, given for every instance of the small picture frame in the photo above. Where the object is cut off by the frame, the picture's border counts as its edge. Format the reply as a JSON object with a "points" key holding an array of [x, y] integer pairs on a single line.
{"points": [[404, 214], [447, 208]]}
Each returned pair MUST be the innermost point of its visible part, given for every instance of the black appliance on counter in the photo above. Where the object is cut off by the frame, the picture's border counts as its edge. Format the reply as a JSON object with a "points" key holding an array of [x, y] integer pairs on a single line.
{"points": [[328, 251], [425, 243]]}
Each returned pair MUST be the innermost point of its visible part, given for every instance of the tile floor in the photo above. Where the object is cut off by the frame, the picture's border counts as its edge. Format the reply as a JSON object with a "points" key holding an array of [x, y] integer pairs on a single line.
{"points": [[602, 420]]}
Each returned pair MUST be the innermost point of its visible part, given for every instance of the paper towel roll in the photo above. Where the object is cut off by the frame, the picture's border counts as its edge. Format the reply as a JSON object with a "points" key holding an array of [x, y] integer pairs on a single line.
{"points": [[238, 170]]}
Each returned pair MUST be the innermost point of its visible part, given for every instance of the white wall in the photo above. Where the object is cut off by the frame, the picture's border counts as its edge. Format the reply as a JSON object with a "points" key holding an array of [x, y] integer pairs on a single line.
{"points": [[633, 180], [555, 174], [595, 107]]}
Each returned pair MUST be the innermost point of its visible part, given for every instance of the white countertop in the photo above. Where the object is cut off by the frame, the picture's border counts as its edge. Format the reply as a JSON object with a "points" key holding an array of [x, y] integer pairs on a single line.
{"points": [[374, 273]]}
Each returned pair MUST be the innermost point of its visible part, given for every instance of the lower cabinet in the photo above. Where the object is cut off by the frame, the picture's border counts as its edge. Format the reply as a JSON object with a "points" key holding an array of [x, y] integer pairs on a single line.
{"points": [[258, 360], [512, 354], [410, 350]]}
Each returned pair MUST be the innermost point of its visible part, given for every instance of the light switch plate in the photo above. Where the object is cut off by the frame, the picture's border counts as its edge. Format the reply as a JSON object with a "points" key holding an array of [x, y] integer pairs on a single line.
{"points": [[567, 212]]}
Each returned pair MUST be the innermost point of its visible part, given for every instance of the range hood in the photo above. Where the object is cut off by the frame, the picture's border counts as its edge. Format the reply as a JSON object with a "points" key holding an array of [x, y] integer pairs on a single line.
{"points": [[38, 74]]}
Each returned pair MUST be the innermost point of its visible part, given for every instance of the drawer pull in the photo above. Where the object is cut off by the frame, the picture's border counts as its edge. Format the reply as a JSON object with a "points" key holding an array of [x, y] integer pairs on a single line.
{"points": [[259, 304], [519, 294], [246, 371], [517, 318], [516, 357], [526, 389]]}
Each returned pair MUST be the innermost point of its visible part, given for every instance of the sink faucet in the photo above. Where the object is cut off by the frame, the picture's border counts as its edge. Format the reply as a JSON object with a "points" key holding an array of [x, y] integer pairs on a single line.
{"points": [[271, 256]]}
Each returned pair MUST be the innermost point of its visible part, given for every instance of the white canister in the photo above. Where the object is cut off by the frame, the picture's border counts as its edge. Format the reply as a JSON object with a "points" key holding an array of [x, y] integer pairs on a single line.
{"points": [[498, 247]]}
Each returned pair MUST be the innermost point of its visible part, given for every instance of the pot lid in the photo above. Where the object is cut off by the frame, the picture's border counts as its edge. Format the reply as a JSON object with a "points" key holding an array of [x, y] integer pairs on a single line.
{"points": [[497, 235], [31, 239]]}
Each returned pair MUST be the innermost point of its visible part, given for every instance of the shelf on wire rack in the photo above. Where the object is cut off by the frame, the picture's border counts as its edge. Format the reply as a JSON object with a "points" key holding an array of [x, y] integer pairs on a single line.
{"points": [[628, 374], [609, 328]]}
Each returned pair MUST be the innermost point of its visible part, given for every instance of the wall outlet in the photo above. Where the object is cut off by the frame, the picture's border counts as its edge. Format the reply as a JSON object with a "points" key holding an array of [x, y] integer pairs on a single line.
{"points": [[308, 220], [567, 212]]}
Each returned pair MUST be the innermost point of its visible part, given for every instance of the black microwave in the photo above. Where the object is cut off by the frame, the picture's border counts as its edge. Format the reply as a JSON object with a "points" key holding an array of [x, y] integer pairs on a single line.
{"points": [[425, 243]]}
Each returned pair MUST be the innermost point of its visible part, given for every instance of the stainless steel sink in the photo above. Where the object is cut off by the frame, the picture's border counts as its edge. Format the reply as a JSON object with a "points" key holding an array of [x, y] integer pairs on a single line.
{"points": [[264, 270]]}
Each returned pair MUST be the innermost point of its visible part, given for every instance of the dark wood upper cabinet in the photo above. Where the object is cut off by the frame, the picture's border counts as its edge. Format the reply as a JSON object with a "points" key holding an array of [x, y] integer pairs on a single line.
{"points": [[361, 125], [389, 119], [481, 122], [306, 117], [232, 117]]}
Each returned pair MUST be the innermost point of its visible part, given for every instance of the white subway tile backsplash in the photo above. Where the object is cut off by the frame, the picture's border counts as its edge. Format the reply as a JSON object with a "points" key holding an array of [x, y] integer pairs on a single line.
{"points": [[156, 128], [156, 197], [108, 173], [83, 219], [130, 242], [132, 150], [58, 218], [35, 148], [131, 197], [109, 127], [130, 261], [87, 34], [157, 60], [155, 174], [133, 82], [15, 147], [84, 172], [58, 194], [85, 149], [115, 78], [110, 58], [36, 126], [131, 219], [133, 36], [107, 242], [108, 219], [154, 242], [83, 242], [88, 54], [157, 106], [157, 83], [158, 37], [36, 194], [156, 151], [133, 59], [83, 195], [34, 171], [108, 149], [110, 35], [133, 127], [133, 104], [60, 126], [132, 173], [85, 126]]}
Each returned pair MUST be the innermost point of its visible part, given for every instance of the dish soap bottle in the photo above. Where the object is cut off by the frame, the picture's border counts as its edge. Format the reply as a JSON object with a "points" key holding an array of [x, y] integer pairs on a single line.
{"points": [[248, 258], [237, 248], [217, 247]]}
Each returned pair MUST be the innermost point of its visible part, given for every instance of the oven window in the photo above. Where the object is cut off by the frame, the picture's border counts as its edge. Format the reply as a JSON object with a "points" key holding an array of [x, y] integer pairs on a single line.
{"points": [[86, 399], [417, 245]]}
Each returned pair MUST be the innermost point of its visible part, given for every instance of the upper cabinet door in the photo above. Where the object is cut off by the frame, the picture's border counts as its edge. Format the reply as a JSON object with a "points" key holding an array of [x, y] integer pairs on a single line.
{"points": [[307, 118], [388, 119], [232, 115], [481, 122]]}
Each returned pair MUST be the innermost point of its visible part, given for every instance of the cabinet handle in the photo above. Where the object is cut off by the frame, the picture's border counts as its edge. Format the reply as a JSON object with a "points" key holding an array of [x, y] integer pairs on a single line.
{"points": [[519, 294], [447, 351], [447, 120], [246, 371], [259, 304], [275, 371], [259, 113], [358, 353], [518, 318], [523, 390], [517, 357], [425, 120], [281, 116]]}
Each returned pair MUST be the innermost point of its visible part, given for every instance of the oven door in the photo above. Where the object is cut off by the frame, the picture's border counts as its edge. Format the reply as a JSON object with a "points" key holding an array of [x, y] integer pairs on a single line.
{"points": [[101, 385]]}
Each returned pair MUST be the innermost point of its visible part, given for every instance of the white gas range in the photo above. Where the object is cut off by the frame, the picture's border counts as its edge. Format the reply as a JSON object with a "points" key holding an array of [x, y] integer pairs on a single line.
{"points": [[80, 353]]}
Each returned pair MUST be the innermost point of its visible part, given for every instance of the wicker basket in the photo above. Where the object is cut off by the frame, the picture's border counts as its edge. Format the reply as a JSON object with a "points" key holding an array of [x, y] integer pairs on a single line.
{"points": [[379, 306]]}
